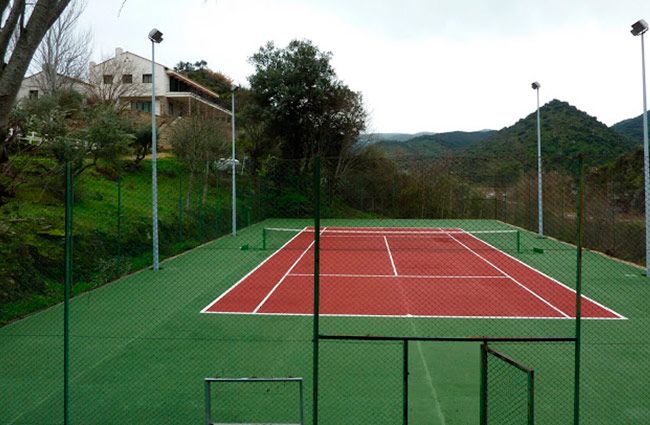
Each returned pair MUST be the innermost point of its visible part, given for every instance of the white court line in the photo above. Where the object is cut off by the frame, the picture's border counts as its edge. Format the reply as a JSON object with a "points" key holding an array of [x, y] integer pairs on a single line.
{"points": [[619, 316], [205, 310], [415, 316], [391, 276], [512, 278], [390, 255], [277, 285]]}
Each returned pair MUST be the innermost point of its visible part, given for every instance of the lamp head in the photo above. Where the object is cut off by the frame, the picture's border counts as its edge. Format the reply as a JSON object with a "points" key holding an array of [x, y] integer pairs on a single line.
{"points": [[155, 36], [536, 85], [639, 27]]}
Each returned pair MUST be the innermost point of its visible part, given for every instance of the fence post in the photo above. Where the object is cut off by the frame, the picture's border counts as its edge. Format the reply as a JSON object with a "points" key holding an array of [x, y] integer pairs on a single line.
{"points": [[578, 331], [483, 386], [316, 334], [405, 373], [66, 294]]}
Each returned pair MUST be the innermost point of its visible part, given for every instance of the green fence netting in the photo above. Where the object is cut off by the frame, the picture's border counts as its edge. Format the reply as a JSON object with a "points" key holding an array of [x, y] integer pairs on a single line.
{"points": [[420, 261]]}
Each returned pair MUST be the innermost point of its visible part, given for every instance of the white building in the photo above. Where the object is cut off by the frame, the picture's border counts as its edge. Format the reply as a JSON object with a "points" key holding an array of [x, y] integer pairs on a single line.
{"points": [[126, 79], [34, 86]]}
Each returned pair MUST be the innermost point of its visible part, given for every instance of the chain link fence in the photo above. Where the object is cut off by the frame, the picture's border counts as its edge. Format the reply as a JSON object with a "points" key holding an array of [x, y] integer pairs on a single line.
{"points": [[376, 281]]}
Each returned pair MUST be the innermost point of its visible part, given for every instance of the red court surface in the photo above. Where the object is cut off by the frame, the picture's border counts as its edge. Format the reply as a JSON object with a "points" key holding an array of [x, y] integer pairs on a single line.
{"points": [[402, 272]]}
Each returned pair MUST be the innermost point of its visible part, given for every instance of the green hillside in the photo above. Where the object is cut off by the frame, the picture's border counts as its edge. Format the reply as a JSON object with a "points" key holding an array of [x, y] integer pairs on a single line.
{"points": [[631, 128], [566, 132], [431, 145]]}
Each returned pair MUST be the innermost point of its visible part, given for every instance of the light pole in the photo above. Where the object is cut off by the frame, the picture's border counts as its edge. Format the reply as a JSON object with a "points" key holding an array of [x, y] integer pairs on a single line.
{"points": [[156, 37], [639, 28], [233, 164], [540, 209]]}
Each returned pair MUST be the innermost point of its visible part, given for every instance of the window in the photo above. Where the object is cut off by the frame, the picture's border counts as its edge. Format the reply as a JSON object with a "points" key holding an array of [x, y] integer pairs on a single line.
{"points": [[140, 105], [108, 79], [33, 94], [146, 78], [127, 78]]}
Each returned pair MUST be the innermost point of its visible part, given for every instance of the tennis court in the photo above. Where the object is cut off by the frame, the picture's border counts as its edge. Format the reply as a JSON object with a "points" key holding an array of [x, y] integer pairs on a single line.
{"points": [[150, 324], [403, 272]]}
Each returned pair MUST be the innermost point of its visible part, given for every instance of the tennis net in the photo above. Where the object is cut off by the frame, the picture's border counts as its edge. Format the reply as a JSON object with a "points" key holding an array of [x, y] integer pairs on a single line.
{"points": [[399, 239]]}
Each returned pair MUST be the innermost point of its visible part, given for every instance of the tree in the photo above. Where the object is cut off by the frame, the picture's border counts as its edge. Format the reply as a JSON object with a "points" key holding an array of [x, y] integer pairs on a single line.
{"points": [[77, 134], [199, 72], [110, 92], [22, 27], [199, 142], [303, 105], [26, 24], [64, 53]]}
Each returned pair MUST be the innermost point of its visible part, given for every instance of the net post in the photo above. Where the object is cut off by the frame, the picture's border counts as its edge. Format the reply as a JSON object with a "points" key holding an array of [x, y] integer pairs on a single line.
{"points": [[405, 389], [518, 241], [66, 293], [264, 238], [531, 398], [578, 321], [302, 402], [316, 289], [483, 387]]}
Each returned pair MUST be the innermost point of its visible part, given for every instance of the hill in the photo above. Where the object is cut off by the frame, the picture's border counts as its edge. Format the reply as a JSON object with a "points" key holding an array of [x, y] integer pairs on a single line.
{"points": [[631, 128], [432, 145], [367, 139], [566, 132]]}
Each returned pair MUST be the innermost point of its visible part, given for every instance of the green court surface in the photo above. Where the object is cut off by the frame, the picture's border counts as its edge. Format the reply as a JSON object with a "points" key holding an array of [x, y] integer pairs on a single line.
{"points": [[140, 349]]}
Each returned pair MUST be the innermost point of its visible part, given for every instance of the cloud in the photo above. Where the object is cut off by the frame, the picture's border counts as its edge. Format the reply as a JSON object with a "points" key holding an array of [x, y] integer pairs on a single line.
{"points": [[421, 65]]}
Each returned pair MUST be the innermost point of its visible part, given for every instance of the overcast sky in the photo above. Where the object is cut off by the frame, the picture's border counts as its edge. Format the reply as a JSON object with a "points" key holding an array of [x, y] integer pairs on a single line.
{"points": [[421, 65]]}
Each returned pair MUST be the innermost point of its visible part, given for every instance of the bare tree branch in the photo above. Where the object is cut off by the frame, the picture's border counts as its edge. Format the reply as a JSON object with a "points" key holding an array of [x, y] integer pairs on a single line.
{"points": [[64, 51], [117, 71]]}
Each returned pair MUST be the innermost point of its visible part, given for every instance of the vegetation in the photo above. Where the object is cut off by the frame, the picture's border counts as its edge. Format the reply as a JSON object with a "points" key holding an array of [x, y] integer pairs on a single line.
{"points": [[631, 128], [430, 145], [302, 106], [295, 109], [199, 72]]}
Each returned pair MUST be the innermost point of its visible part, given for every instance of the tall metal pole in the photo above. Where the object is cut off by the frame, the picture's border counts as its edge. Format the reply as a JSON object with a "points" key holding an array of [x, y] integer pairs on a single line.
{"points": [[316, 333], [540, 210], [154, 170], [646, 165], [66, 293], [234, 173], [578, 322]]}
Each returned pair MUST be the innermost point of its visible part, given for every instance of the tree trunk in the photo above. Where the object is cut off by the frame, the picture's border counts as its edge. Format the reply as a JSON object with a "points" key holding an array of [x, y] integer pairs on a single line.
{"points": [[190, 184], [12, 72], [206, 174]]}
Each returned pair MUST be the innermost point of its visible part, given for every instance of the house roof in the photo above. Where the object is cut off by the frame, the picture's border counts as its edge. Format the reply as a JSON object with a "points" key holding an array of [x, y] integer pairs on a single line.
{"points": [[132, 54], [76, 80], [172, 73], [192, 83]]}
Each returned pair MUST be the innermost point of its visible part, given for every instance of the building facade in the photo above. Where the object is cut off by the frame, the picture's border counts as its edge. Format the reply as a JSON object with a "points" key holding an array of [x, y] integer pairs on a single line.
{"points": [[126, 79]]}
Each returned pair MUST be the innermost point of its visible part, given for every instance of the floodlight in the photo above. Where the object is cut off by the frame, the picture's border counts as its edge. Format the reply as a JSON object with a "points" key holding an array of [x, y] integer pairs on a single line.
{"points": [[536, 85], [155, 36], [639, 27]]}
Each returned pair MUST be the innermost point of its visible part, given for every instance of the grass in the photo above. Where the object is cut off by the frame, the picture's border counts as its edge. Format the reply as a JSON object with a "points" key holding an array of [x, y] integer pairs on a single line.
{"points": [[34, 221], [140, 349]]}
